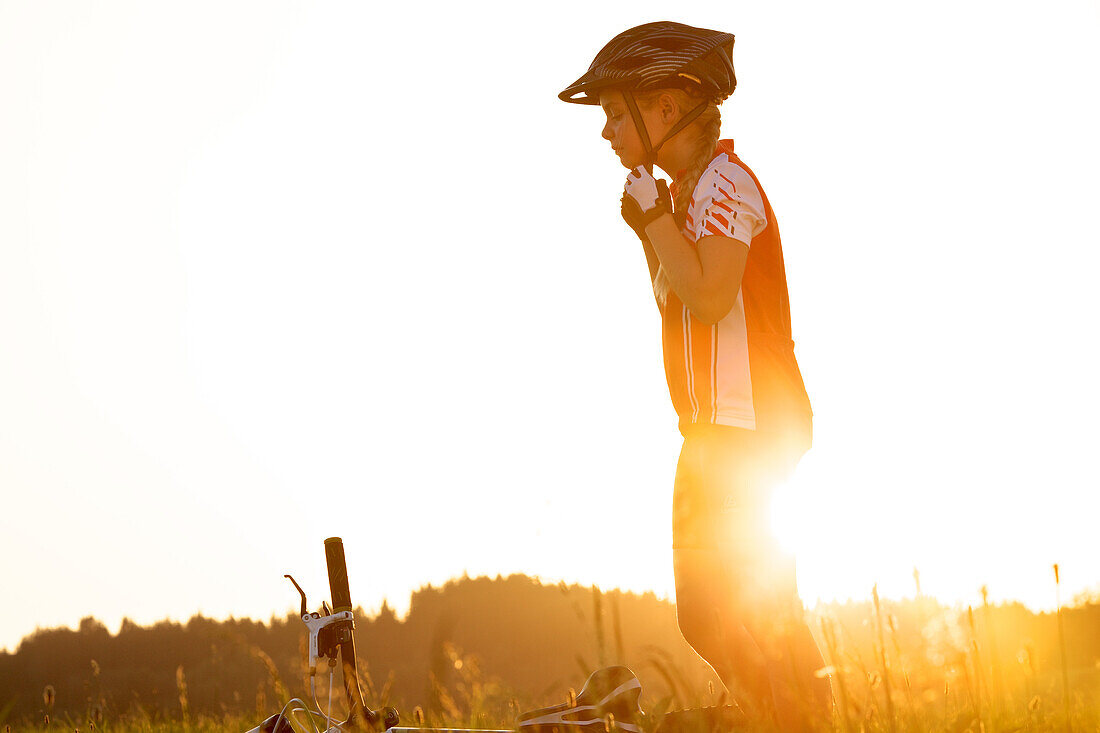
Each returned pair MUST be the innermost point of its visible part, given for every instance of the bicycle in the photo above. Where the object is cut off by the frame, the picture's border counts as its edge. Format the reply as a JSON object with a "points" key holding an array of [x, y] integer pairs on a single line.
{"points": [[332, 637], [609, 700]]}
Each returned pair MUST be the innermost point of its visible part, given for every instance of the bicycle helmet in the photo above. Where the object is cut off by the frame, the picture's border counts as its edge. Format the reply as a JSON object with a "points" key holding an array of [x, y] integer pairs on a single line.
{"points": [[656, 56]]}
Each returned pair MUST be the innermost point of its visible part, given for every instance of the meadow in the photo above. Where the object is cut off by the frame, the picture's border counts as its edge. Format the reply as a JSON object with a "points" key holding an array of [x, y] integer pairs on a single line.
{"points": [[476, 652]]}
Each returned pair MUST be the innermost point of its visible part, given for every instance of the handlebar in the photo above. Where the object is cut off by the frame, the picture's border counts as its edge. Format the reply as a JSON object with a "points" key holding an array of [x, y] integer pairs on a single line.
{"points": [[341, 601], [337, 574]]}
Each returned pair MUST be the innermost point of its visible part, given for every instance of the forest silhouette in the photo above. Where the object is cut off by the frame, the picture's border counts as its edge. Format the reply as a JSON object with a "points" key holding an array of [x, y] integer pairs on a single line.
{"points": [[483, 649]]}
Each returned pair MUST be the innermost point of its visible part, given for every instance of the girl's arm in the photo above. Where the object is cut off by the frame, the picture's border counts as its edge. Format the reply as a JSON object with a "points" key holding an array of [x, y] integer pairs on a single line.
{"points": [[706, 277], [651, 260]]}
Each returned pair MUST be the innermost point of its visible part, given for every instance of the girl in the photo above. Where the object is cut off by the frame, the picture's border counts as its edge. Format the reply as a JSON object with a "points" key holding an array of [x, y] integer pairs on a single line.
{"points": [[716, 264]]}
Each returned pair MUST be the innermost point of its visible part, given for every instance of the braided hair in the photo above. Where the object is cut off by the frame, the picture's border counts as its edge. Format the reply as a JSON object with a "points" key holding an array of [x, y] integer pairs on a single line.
{"points": [[705, 131]]}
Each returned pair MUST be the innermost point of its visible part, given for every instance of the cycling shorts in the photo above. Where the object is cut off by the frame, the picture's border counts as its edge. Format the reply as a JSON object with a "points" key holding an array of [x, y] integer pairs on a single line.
{"points": [[724, 483]]}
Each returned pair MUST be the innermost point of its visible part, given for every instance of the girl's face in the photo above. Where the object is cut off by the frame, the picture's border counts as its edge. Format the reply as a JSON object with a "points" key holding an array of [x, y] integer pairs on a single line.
{"points": [[621, 132]]}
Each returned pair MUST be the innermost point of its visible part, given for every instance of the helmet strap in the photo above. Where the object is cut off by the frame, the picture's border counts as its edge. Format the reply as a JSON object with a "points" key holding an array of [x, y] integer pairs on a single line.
{"points": [[643, 133]]}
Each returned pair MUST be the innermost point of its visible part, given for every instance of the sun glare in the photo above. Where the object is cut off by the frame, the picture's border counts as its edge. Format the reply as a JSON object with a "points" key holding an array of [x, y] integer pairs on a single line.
{"points": [[787, 522]]}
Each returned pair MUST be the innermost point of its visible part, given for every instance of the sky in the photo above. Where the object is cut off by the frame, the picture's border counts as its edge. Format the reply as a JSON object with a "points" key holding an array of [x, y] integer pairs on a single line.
{"points": [[272, 272]]}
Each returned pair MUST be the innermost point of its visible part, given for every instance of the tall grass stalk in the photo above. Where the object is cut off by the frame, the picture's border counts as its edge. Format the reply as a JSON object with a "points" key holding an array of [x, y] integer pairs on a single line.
{"points": [[828, 633], [891, 621], [882, 659], [49, 696], [1062, 647], [662, 662], [181, 688], [597, 613], [617, 628], [996, 694], [975, 652]]}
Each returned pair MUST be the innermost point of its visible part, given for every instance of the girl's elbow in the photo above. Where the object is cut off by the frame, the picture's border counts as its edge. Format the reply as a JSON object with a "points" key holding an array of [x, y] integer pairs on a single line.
{"points": [[712, 312], [709, 318]]}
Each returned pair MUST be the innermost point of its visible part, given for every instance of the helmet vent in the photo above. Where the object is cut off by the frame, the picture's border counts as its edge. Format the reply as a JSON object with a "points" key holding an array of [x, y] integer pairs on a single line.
{"points": [[627, 63], [667, 43]]}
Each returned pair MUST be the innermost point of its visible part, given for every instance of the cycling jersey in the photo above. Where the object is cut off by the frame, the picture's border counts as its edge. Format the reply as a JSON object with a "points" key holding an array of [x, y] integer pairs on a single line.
{"points": [[741, 371]]}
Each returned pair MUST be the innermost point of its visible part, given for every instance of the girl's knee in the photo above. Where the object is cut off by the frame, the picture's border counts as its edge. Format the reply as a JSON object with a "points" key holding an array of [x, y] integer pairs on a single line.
{"points": [[693, 628]]}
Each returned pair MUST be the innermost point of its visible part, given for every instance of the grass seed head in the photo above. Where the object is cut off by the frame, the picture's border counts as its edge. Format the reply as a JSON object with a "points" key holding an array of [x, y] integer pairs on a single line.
{"points": [[1028, 653]]}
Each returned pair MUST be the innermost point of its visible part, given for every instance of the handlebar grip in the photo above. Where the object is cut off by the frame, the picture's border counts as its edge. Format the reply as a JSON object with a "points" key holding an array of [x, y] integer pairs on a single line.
{"points": [[341, 601], [337, 574]]}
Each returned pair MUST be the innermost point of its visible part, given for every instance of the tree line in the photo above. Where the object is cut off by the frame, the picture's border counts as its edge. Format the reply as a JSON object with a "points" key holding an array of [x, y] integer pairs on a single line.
{"points": [[483, 649]]}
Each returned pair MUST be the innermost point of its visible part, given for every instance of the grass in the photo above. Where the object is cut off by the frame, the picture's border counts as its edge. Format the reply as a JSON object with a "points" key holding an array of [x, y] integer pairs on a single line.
{"points": [[895, 667]]}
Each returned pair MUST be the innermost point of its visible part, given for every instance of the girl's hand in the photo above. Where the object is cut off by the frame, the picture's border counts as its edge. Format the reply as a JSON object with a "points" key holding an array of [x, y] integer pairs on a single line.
{"points": [[645, 199], [646, 191]]}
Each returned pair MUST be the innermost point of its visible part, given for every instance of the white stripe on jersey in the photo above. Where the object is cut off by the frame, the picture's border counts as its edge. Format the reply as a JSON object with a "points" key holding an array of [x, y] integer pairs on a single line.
{"points": [[732, 362], [685, 321], [714, 373]]}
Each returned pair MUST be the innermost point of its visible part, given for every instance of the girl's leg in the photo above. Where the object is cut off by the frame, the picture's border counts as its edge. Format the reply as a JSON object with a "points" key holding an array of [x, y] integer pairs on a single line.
{"points": [[762, 650], [702, 605], [736, 600]]}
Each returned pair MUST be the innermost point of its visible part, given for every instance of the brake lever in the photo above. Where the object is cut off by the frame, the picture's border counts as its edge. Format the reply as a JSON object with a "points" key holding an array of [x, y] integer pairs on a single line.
{"points": [[326, 632], [305, 609]]}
